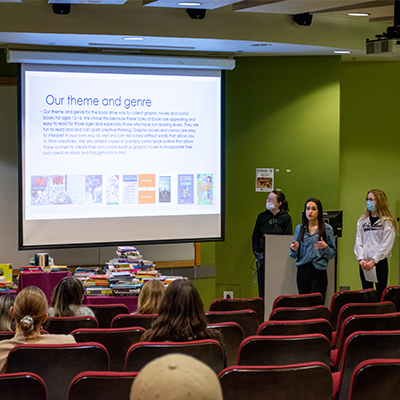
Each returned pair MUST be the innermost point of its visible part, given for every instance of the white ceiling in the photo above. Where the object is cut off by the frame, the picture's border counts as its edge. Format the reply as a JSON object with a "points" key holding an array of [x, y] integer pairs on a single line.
{"points": [[331, 28]]}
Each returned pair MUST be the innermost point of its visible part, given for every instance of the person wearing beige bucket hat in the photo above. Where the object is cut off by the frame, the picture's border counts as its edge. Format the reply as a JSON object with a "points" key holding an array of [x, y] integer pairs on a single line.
{"points": [[176, 377]]}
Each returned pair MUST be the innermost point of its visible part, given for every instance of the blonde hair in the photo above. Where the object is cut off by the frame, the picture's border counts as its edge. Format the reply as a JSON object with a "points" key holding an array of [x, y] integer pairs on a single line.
{"points": [[150, 297], [6, 302], [382, 208], [30, 308]]}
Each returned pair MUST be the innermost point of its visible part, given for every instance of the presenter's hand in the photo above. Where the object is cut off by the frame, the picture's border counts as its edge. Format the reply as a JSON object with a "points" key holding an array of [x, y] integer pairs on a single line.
{"points": [[369, 265], [295, 245], [321, 244], [362, 263]]}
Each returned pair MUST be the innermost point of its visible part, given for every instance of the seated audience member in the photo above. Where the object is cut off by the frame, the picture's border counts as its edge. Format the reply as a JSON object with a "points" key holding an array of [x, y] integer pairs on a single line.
{"points": [[67, 299], [178, 377], [181, 316], [29, 312], [6, 322], [150, 297]]}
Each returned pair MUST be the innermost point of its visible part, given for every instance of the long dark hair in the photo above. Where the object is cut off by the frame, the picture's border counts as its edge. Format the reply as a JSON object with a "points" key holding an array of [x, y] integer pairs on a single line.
{"points": [[180, 316], [321, 223], [68, 291], [280, 197]]}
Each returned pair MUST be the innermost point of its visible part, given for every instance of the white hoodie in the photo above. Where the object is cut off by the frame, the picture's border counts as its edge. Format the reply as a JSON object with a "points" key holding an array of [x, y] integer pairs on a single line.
{"points": [[374, 242]]}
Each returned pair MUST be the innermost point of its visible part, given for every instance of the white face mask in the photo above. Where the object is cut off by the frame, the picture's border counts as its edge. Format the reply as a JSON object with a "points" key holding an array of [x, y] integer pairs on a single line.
{"points": [[270, 206]]}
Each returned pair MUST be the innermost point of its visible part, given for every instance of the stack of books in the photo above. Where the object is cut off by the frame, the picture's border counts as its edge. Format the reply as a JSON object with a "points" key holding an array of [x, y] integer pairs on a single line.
{"points": [[129, 254], [5, 285], [97, 285], [84, 272], [31, 268]]}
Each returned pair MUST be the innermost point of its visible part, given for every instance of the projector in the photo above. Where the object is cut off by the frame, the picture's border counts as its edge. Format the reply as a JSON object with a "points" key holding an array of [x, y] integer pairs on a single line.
{"points": [[384, 47]]}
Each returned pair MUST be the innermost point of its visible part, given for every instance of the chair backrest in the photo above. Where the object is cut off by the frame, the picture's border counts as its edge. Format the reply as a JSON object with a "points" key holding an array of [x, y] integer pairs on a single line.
{"points": [[117, 342], [247, 319], [65, 325], [105, 313], [361, 346], [129, 320], [296, 327], [366, 322], [101, 385], [299, 300], [232, 335], [349, 309], [249, 303], [375, 379], [299, 313], [22, 386], [306, 381], [208, 350], [339, 299], [6, 335], [57, 365], [284, 350], [392, 293]]}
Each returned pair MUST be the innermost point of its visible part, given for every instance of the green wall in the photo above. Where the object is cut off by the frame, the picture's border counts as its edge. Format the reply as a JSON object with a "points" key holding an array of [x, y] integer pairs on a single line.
{"points": [[281, 113], [369, 152]]}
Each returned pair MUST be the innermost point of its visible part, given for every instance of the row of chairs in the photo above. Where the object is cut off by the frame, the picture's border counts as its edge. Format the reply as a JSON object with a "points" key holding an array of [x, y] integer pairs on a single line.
{"points": [[372, 371]]}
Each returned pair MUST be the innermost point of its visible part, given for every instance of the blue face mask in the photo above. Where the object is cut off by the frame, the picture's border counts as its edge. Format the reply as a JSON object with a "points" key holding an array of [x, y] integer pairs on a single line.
{"points": [[371, 205]]}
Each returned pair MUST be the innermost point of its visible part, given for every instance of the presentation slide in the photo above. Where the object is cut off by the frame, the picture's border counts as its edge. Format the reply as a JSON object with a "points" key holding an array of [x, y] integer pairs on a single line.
{"points": [[112, 155]]}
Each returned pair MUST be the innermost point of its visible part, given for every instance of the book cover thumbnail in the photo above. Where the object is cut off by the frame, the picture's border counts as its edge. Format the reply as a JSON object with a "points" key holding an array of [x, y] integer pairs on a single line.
{"points": [[185, 189], [39, 190], [58, 189], [204, 189], [112, 189], [130, 189], [164, 190], [94, 189], [76, 189]]}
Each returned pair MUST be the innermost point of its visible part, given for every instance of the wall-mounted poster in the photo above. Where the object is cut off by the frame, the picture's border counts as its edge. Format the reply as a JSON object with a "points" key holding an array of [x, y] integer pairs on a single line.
{"points": [[264, 179]]}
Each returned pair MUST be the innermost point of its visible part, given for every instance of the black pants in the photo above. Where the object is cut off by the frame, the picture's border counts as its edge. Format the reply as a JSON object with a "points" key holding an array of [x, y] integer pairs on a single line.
{"points": [[311, 279], [382, 271], [261, 278]]}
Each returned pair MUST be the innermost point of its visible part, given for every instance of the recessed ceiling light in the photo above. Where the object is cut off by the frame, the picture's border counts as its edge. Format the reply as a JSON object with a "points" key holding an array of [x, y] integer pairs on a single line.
{"points": [[341, 52], [133, 38], [261, 44], [358, 14], [189, 3]]}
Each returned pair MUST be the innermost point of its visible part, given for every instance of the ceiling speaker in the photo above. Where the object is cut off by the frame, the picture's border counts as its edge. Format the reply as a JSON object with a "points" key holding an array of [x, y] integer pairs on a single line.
{"points": [[303, 19], [196, 13], [61, 8]]}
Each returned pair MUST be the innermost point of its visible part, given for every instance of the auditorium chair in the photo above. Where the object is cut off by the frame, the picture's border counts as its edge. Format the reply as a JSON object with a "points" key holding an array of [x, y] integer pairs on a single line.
{"points": [[58, 364], [392, 293], [22, 386], [101, 385], [129, 320], [249, 303], [65, 325], [304, 381], [247, 319], [232, 335], [116, 340], [339, 299], [284, 350], [105, 313], [207, 350], [299, 313], [299, 300], [361, 346], [296, 327]]}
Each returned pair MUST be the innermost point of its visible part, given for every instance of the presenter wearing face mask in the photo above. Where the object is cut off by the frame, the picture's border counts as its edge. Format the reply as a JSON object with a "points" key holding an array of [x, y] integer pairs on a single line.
{"points": [[376, 231], [275, 220], [313, 247]]}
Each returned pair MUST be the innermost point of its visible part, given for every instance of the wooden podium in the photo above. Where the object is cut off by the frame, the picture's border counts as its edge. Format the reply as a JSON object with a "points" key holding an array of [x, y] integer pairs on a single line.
{"points": [[280, 271]]}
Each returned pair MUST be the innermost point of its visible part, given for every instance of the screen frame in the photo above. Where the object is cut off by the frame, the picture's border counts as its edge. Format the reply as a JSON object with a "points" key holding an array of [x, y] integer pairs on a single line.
{"points": [[24, 246]]}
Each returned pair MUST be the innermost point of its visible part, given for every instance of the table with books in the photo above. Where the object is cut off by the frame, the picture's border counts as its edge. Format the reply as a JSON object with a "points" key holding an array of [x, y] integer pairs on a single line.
{"points": [[47, 281]]}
